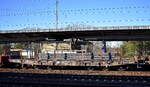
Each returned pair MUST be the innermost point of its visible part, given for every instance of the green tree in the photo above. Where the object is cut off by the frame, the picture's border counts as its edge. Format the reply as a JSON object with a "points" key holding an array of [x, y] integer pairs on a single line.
{"points": [[1, 49], [132, 48], [128, 49], [19, 46], [4, 48]]}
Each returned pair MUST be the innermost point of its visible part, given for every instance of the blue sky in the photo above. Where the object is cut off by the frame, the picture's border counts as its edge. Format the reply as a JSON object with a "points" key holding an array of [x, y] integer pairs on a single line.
{"points": [[20, 14]]}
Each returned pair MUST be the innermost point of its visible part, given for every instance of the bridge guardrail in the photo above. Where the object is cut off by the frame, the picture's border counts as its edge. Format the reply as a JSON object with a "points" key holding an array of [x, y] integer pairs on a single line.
{"points": [[77, 29]]}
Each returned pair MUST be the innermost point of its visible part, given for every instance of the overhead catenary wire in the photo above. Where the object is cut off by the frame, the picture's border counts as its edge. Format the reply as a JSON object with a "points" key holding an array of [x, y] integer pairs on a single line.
{"points": [[68, 13], [48, 11], [75, 22], [82, 9]]}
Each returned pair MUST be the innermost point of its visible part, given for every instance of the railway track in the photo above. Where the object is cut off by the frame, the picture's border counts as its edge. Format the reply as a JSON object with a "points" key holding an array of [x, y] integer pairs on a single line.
{"points": [[9, 79], [125, 67]]}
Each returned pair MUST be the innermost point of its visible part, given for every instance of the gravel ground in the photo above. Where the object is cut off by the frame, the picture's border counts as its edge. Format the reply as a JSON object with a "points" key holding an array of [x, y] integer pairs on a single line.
{"points": [[78, 72]]}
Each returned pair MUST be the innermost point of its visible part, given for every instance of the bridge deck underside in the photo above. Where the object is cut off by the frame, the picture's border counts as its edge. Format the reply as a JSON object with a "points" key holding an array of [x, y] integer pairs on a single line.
{"points": [[110, 35]]}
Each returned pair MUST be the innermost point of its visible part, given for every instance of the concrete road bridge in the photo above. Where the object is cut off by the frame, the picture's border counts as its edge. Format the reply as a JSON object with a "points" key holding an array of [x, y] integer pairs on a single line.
{"points": [[111, 33]]}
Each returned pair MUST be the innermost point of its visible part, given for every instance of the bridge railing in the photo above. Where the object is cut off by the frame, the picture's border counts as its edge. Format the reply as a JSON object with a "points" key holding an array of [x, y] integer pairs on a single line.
{"points": [[77, 29]]}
